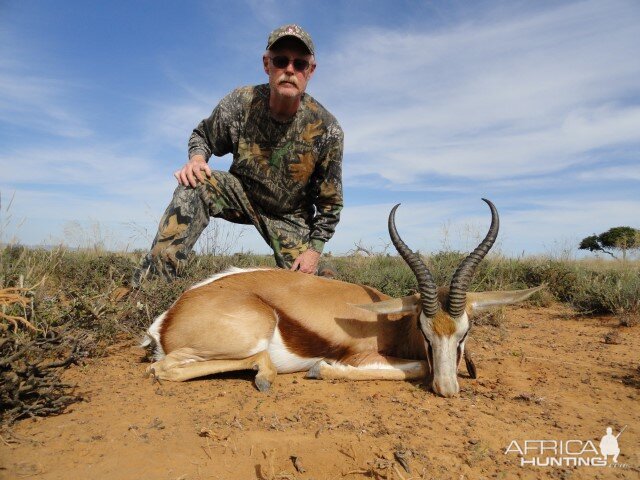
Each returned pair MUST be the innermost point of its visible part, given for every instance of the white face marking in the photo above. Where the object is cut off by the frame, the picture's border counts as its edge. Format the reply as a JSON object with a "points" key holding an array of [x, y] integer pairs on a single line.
{"points": [[444, 351], [462, 326]]}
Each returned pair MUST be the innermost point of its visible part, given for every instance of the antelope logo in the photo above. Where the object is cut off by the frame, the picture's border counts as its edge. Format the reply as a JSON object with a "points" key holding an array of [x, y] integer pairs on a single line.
{"points": [[278, 321]]}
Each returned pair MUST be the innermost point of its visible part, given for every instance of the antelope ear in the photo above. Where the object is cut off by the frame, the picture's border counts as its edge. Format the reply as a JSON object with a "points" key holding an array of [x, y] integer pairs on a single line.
{"points": [[471, 367], [479, 301], [410, 303]]}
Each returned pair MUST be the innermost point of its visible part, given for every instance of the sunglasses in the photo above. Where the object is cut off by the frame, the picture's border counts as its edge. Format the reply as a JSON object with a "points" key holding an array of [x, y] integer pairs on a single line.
{"points": [[282, 61]]}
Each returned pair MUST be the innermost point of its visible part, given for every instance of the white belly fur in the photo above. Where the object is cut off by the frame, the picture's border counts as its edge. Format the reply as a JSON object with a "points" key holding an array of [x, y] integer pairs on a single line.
{"points": [[284, 360]]}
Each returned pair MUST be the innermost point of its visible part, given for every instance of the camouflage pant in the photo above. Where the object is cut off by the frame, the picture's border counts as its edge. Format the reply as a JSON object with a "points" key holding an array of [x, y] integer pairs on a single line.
{"points": [[221, 196]]}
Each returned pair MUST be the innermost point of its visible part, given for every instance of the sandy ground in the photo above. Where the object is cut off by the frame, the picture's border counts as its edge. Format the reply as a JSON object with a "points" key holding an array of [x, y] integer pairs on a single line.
{"points": [[544, 374]]}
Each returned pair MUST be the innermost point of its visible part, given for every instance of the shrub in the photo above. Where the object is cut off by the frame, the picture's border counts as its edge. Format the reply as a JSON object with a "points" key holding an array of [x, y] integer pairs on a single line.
{"points": [[80, 292]]}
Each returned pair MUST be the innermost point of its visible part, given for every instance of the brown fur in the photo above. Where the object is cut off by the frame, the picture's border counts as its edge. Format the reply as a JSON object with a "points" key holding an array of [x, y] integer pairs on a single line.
{"points": [[307, 343], [227, 324], [443, 324], [310, 326], [218, 321], [365, 358]]}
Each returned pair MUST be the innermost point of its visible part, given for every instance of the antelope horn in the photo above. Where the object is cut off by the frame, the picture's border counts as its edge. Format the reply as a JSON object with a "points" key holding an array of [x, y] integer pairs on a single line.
{"points": [[463, 275], [426, 285]]}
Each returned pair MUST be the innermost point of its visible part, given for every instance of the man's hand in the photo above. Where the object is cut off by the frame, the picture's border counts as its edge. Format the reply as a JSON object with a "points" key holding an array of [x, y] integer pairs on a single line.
{"points": [[307, 262], [192, 172]]}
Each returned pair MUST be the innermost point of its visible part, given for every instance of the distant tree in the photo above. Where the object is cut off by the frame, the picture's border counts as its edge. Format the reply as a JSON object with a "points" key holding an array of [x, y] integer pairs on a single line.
{"points": [[617, 238], [591, 243]]}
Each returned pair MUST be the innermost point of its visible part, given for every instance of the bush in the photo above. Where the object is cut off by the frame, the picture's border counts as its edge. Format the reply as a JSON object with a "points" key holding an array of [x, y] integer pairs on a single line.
{"points": [[610, 291], [79, 296], [388, 274]]}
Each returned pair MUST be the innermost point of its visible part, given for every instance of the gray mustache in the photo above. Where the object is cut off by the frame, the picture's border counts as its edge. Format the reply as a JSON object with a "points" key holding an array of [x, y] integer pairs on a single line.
{"points": [[288, 79]]}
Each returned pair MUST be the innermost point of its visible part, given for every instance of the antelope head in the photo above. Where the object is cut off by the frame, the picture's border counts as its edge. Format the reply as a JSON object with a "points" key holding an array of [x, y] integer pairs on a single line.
{"points": [[443, 318], [443, 315]]}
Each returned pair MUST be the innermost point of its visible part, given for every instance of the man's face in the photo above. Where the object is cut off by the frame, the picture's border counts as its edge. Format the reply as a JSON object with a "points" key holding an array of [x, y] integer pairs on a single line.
{"points": [[288, 80]]}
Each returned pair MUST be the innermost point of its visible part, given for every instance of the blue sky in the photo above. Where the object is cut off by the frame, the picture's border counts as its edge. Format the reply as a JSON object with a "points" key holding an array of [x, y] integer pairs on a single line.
{"points": [[534, 105]]}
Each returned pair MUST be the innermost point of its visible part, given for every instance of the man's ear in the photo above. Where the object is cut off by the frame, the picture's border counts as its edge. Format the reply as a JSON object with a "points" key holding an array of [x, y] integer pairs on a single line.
{"points": [[312, 68], [265, 63]]}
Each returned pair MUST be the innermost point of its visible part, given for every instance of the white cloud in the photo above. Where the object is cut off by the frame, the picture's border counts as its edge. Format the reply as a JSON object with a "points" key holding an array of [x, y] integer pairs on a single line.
{"points": [[36, 102], [268, 12], [172, 124], [85, 165], [616, 173], [543, 226], [514, 96], [521, 106], [568, 219]]}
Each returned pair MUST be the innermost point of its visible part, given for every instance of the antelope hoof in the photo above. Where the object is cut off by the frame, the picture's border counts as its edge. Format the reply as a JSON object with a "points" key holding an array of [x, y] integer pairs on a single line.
{"points": [[262, 384], [314, 371]]}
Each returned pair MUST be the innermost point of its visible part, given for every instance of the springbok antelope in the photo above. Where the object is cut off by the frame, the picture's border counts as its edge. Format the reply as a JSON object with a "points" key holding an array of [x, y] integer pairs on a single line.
{"points": [[279, 321]]}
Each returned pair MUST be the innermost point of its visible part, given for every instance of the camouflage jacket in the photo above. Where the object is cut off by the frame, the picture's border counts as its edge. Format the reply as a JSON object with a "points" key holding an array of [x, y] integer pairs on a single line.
{"points": [[287, 168]]}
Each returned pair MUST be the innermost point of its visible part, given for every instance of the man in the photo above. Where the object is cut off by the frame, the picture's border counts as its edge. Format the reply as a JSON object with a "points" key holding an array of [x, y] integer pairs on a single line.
{"points": [[286, 174], [609, 444]]}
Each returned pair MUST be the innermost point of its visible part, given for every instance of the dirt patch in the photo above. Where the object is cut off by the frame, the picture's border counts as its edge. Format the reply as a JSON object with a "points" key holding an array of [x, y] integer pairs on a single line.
{"points": [[543, 374]]}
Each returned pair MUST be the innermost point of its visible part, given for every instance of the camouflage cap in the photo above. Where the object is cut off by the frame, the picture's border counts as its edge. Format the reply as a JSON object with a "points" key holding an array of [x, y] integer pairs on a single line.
{"points": [[291, 30]]}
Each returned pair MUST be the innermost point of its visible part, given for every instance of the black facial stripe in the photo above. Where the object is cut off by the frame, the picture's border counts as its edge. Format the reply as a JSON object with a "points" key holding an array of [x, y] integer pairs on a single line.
{"points": [[465, 336]]}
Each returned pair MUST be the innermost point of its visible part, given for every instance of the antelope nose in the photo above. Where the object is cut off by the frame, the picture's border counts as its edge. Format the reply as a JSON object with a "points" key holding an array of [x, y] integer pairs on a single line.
{"points": [[445, 387]]}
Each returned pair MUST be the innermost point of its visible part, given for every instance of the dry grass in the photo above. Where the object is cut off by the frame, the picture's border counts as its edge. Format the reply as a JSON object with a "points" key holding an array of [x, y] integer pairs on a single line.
{"points": [[10, 297], [84, 292]]}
